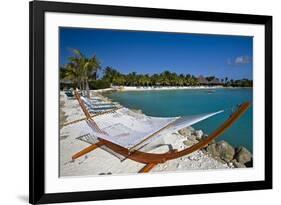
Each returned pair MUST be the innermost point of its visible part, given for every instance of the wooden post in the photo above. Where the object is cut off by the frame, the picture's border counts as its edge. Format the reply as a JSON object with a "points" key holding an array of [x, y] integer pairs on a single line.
{"points": [[88, 116], [147, 168], [77, 95]]}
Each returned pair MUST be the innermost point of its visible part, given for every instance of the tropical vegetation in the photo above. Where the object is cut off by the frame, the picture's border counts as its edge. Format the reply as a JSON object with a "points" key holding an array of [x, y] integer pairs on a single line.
{"points": [[165, 78], [81, 72]]}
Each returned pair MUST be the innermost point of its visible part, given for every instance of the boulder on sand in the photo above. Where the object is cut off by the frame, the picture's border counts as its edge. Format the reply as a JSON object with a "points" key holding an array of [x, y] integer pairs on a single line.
{"points": [[189, 143], [237, 164], [198, 134], [188, 131], [192, 138], [204, 137], [212, 150], [221, 150], [243, 155], [249, 164]]}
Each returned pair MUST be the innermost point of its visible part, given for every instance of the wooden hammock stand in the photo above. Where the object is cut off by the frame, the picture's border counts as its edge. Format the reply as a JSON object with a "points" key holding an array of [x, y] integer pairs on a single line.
{"points": [[152, 159]]}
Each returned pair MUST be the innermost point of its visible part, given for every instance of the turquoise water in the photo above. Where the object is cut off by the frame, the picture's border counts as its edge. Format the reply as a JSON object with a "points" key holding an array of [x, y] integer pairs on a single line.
{"points": [[187, 102]]}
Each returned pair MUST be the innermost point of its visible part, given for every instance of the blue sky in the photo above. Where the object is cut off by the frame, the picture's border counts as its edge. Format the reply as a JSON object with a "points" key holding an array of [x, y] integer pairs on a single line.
{"points": [[154, 52]]}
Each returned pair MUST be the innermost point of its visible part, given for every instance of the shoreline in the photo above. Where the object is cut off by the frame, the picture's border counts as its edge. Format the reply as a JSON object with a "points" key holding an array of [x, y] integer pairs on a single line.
{"points": [[160, 88]]}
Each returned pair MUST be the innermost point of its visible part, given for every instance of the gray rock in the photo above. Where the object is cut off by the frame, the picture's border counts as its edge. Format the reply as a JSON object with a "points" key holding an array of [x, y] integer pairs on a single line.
{"points": [[137, 111], [249, 164], [186, 131], [230, 164], [212, 150], [204, 151], [221, 150], [189, 143], [237, 164], [198, 134], [206, 136], [243, 155], [191, 138], [226, 151], [191, 129]]}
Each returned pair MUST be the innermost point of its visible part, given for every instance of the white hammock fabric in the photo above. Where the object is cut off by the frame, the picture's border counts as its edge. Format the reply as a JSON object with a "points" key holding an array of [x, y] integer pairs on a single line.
{"points": [[125, 136], [186, 121], [180, 123], [130, 132]]}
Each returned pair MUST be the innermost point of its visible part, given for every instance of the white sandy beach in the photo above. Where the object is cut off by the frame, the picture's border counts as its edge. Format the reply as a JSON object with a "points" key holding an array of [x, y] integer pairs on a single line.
{"points": [[146, 88], [100, 162], [141, 88]]}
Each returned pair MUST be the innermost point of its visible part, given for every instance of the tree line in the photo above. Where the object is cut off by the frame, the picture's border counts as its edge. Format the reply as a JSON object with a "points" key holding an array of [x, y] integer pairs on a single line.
{"points": [[81, 72], [165, 78], [168, 78]]}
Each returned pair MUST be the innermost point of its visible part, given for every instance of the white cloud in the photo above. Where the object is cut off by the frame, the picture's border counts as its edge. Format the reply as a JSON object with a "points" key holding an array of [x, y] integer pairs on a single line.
{"points": [[242, 60]]}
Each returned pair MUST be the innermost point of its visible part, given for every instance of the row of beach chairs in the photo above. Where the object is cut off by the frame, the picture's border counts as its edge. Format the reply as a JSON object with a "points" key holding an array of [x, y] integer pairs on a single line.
{"points": [[95, 105]]}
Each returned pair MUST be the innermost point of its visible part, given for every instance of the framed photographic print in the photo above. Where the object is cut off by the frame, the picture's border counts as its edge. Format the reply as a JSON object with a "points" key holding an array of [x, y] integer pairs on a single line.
{"points": [[139, 102]]}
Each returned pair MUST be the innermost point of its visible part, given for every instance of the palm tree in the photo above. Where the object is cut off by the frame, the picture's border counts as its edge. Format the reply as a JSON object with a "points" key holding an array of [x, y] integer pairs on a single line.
{"points": [[147, 80], [110, 74], [90, 69], [154, 79], [71, 73], [74, 69], [81, 69], [132, 78], [231, 82], [225, 79]]}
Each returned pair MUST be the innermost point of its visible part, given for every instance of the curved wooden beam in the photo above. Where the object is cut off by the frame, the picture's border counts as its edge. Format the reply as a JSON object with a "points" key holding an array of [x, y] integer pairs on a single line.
{"points": [[152, 158], [147, 168]]}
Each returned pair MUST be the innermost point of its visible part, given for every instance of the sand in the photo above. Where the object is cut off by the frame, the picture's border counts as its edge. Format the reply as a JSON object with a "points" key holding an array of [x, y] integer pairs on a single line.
{"points": [[146, 88]]}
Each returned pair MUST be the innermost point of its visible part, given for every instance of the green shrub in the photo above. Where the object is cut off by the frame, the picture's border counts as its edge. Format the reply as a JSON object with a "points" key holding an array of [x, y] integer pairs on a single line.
{"points": [[99, 84]]}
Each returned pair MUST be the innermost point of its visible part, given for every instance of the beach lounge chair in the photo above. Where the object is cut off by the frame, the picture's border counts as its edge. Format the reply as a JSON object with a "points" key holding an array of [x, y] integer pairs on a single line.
{"points": [[93, 103], [98, 111], [69, 94], [102, 103], [97, 107], [128, 144]]}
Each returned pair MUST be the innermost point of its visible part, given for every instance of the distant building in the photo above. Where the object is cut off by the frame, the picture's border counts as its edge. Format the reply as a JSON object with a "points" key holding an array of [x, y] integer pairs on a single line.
{"points": [[215, 81], [65, 84], [202, 80]]}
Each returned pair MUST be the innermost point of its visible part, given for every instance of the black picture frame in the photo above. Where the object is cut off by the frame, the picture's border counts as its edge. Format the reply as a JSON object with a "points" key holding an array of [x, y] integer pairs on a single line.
{"points": [[37, 194]]}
